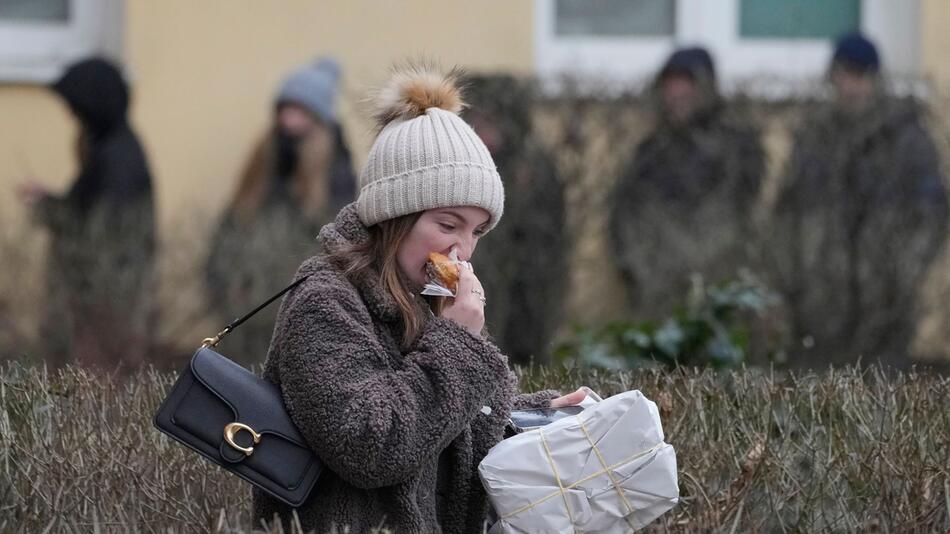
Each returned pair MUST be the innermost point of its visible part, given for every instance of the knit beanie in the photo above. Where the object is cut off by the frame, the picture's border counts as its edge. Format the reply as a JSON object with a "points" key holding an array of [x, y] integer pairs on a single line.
{"points": [[693, 61], [314, 87], [425, 156], [857, 52]]}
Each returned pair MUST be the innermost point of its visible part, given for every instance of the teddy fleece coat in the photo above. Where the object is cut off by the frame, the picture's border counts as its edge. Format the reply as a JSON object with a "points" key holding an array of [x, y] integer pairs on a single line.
{"points": [[401, 432]]}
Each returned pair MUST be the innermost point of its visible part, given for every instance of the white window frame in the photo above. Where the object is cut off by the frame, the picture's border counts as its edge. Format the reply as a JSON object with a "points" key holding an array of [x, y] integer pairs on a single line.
{"points": [[753, 64], [36, 52], [606, 59]]}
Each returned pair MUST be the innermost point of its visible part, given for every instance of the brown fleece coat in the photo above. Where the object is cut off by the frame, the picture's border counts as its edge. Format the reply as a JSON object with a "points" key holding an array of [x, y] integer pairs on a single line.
{"points": [[401, 432]]}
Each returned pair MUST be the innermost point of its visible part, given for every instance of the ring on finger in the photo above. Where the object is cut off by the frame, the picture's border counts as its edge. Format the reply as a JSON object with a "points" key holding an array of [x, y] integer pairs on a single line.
{"points": [[481, 296]]}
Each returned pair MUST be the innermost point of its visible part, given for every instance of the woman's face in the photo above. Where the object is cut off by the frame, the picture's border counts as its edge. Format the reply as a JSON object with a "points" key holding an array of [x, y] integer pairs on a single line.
{"points": [[681, 96], [295, 120], [440, 230]]}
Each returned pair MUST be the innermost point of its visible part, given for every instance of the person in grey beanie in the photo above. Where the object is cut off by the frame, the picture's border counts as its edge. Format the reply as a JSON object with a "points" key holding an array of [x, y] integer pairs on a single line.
{"points": [[298, 176], [400, 395]]}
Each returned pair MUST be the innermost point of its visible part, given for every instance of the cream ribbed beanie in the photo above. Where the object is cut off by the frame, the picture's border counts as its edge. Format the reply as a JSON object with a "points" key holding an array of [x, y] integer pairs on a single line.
{"points": [[425, 156]]}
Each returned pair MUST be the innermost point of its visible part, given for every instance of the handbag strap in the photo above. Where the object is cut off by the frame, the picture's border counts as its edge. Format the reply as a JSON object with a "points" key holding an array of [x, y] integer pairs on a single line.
{"points": [[213, 341]]}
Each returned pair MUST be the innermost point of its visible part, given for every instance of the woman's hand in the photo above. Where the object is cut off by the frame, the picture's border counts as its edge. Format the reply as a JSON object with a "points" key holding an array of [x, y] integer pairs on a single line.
{"points": [[468, 306], [571, 399], [31, 191]]}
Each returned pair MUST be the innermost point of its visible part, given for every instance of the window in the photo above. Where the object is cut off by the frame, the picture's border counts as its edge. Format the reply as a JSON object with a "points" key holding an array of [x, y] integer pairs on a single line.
{"points": [[795, 19], [614, 17], [55, 11], [39, 37], [602, 39], [773, 46]]}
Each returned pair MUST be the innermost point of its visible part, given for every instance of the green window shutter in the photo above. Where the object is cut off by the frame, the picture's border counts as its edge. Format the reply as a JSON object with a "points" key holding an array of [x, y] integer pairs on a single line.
{"points": [[798, 19]]}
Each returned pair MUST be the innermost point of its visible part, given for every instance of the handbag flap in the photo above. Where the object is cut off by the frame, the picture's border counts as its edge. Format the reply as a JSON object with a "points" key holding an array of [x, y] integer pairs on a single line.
{"points": [[256, 402]]}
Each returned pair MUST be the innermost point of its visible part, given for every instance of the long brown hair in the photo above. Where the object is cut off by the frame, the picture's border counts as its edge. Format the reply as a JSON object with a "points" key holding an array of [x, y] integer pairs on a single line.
{"points": [[309, 184], [377, 258]]}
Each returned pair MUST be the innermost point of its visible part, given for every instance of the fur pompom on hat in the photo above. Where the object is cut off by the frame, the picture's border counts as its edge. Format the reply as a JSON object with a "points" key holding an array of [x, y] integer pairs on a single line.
{"points": [[415, 89], [425, 156]]}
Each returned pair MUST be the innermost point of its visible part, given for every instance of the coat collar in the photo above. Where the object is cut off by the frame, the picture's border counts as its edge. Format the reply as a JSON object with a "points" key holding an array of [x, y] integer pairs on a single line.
{"points": [[348, 230]]}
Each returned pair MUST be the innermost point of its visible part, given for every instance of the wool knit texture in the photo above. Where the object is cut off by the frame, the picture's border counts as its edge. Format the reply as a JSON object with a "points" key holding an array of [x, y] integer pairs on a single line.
{"points": [[401, 432], [314, 87], [434, 160]]}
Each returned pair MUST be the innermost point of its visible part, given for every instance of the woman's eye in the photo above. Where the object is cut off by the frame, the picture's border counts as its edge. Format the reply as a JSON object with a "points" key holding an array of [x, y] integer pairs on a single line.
{"points": [[447, 227]]}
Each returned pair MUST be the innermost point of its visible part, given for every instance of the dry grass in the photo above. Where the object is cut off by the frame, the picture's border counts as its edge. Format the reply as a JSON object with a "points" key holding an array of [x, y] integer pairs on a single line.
{"points": [[850, 449]]}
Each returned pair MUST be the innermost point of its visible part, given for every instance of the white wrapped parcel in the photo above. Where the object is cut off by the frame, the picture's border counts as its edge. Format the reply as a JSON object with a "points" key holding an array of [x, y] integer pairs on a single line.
{"points": [[604, 470]]}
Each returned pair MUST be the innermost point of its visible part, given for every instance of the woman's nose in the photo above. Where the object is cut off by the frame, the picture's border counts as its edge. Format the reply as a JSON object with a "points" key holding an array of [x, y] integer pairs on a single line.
{"points": [[465, 248]]}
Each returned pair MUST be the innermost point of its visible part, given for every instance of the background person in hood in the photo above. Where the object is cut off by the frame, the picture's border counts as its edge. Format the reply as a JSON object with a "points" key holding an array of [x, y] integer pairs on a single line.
{"points": [[297, 177], [682, 205], [526, 302], [103, 231], [861, 215]]}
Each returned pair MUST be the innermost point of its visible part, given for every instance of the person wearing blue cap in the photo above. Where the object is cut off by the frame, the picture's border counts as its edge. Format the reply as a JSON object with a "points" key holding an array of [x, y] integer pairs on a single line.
{"points": [[861, 215], [855, 73], [297, 177], [681, 206]]}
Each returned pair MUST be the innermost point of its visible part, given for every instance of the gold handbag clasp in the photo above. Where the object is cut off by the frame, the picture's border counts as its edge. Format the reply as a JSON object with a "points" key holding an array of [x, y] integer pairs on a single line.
{"points": [[232, 429], [210, 342]]}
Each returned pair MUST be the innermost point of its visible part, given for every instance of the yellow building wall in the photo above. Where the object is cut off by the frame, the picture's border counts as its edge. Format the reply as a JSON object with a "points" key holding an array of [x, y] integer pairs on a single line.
{"points": [[36, 139], [933, 335], [204, 75], [203, 78], [935, 42]]}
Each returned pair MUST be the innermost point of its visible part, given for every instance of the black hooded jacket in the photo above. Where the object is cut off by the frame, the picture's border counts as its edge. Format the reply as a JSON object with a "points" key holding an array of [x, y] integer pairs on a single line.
{"points": [[103, 228], [113, 165]]}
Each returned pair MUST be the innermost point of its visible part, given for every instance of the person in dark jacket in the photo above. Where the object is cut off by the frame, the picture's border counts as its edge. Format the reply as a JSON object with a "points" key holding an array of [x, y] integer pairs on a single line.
{"points": [[299, 175], [682, 206], [526, 302], [861, 215], [103, 230], [400, 395]]}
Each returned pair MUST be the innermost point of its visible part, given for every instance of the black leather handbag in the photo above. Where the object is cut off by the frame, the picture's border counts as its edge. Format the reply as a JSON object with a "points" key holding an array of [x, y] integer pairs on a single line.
{"points": [[238, 421]]}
